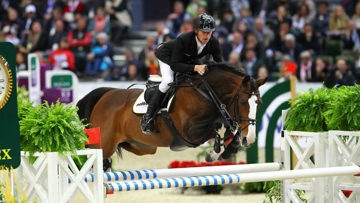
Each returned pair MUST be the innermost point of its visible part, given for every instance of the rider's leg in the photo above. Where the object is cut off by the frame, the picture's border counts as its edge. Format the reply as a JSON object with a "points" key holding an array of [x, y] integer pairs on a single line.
{"points": [[147, 121]]}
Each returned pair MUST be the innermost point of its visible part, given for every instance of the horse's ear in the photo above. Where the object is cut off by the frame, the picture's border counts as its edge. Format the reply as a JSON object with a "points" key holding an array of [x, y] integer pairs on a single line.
{"points": [[246, 79], [261, 81]]}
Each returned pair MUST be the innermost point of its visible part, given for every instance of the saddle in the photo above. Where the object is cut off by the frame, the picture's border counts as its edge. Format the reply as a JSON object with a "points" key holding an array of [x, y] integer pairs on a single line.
{"points": [[141, 104]]}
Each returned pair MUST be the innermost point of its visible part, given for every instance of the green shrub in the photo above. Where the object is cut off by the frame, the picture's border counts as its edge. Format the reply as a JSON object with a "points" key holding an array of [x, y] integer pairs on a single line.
{"points": [[307, 113], [344, 109], [50, 128]]}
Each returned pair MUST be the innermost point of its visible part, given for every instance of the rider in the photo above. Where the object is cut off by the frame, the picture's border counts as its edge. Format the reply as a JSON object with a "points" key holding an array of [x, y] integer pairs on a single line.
{"points": [[182, 55]]}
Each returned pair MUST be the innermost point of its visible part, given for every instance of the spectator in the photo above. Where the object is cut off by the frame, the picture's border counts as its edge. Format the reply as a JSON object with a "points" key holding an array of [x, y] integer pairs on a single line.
{"points": [[120, 19], [279, 39], [236, 45], [340, 75], [351, 37], [6, 5], [80, 42], [338, 22], [280, 17], [129, 59], [306, 71], [74, 6], [161, 32], [357, 67], [263, 33], [50, 24], [30, 16], [36, 40], [11, 27], [227, 21], [308, 40], [50, 6], [251, 41], [151, 64], [250, 62], [245, 17], [234, 59], [237, 6], [20, 62], [62, 57], [186, 26], [301, 17], [100, 22], [100, 59], [132, 73], [150, 46], [262, 73], [356, 16], [57, 34], [176, 18], [321, 21], [321, 69], [291, 48]]}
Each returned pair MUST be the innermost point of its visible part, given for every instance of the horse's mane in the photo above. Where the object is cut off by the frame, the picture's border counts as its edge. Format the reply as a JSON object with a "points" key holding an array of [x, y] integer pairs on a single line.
{"points": [[226, 67]]}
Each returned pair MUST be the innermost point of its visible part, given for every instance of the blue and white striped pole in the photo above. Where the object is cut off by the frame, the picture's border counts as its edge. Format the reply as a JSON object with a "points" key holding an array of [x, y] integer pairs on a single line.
{"points": [[230, 178], [181, 172]]}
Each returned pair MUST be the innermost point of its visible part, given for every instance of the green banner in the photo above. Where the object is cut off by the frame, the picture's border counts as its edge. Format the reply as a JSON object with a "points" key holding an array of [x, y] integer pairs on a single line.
{"points": [[9, 122]]}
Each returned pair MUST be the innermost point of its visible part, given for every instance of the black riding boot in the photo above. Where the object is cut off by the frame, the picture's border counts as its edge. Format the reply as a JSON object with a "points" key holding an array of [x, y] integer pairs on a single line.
{"points": [[147, 121]]}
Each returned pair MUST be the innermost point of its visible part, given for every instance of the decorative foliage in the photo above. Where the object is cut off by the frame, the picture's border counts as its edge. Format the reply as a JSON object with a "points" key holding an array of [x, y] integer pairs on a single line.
{"points": [[50, 128], [307, 113], [254, 187], [344, 109], [273, 192]]}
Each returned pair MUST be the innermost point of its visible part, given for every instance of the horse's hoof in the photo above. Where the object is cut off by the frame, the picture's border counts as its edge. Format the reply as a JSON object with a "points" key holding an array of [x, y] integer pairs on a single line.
{"points": [[208, 158]]}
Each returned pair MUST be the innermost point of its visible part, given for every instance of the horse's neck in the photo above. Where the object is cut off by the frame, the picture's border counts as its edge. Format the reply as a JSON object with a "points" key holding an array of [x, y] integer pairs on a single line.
{"points": [[198, 114], [223, 83]]}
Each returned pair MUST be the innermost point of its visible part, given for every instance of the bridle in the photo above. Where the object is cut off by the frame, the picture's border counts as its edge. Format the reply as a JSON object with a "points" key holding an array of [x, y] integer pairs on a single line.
{"points": [[210, 95], [236, 100], [230, 121]]}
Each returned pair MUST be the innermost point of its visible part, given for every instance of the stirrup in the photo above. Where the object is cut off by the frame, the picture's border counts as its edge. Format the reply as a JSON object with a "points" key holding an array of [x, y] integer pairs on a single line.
{"points": [[147, 125]]}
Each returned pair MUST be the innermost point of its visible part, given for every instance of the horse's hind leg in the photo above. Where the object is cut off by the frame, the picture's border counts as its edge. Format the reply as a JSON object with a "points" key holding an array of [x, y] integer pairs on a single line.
{"points": [[138, 148]]}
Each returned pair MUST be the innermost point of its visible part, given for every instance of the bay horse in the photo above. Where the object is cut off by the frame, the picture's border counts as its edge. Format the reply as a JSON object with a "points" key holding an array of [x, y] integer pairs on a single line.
{"points": [[223, 93]]}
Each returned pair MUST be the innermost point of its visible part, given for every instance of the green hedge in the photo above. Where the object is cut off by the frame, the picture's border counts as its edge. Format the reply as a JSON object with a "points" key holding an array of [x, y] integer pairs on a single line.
{"points": [[325, 109], [50, 127]]}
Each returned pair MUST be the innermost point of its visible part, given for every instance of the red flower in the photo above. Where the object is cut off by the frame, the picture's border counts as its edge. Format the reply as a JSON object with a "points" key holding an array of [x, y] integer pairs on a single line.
{"points": [[174, 164]]}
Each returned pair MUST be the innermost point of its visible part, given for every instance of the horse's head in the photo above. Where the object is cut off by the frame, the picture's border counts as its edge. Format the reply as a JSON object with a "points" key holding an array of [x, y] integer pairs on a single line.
{"points": [[240, 94], [245, 105]]}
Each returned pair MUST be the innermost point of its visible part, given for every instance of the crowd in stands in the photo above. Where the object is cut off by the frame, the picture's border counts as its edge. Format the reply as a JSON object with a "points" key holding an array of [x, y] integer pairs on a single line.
{"points": [[318, 41]]}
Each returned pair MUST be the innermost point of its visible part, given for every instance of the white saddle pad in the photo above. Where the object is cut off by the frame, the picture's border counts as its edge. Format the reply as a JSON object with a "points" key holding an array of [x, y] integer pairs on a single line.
{"points": [[140, 106]]}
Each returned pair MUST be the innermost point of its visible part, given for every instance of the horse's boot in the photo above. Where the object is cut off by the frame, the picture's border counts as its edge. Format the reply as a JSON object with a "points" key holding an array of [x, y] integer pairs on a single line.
{"points": [[147, 121]]}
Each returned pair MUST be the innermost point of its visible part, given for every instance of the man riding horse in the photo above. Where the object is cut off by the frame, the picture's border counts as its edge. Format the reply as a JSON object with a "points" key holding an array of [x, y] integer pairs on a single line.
{"points": [[182, 55]]}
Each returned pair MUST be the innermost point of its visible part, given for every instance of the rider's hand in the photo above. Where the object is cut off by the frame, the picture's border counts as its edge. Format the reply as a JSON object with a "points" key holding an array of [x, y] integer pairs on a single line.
{"points": [[200, 69]]}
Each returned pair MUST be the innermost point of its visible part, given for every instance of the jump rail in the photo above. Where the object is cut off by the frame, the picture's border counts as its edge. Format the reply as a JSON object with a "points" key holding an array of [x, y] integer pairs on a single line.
{"points": [[230, 178], [181, 172]]}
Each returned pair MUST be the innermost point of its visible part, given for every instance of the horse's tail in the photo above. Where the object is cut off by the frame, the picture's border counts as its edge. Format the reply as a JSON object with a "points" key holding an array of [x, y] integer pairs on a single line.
{"points": [[87, 103]]}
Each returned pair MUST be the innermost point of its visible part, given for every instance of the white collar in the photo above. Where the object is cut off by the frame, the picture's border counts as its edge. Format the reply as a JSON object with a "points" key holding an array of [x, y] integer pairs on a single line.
{"points": [[200, 46]]}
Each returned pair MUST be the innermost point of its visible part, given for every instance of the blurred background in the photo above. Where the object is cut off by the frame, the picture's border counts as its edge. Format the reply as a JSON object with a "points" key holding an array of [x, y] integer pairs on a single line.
{"points": [[114, 40]]}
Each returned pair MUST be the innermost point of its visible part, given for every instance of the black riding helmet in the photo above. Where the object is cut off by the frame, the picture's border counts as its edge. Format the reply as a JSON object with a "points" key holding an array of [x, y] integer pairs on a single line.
{"points": [[205, 23]]}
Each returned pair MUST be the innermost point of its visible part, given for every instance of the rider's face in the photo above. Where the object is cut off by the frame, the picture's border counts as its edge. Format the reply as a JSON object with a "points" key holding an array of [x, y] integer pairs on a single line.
{"points": [[203, 37]]}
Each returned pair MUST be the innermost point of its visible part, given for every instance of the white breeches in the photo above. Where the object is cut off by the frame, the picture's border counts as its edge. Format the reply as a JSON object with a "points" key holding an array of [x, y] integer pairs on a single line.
{"points": [[167, 76]]}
